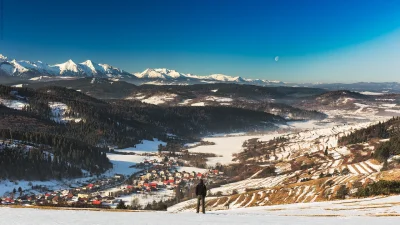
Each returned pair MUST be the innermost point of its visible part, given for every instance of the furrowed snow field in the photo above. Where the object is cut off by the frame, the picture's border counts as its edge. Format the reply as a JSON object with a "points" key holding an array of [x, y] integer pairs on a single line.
{"points": [[345, 212]]}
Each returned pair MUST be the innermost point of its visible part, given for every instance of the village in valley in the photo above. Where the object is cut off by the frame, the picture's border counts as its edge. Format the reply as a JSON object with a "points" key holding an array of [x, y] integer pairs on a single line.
{"points": [[159, 178]]}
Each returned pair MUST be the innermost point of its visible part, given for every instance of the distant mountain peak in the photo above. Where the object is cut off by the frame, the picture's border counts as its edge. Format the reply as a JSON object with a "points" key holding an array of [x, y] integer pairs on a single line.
{"points": [[223, 77], [3, 58], [159, 73], [87, 62]]}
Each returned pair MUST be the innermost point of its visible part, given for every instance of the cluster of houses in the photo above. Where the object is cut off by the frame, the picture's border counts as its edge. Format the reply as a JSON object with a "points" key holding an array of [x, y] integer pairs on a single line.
{"points": [[89, 194], [157, 176], [62, 199], [153, 176]]}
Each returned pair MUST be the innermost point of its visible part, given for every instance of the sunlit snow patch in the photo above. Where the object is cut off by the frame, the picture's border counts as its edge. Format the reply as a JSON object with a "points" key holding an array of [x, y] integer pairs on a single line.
{"points": [[198, 104], [14, 104], [371, 93], [388, 105], [158, 99], [218, 99], [58, 111], [186, 102]]}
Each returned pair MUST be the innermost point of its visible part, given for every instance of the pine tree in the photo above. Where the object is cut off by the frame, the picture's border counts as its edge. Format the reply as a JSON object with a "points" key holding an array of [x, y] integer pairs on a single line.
{"points": [[121, 205], [342, 192]]}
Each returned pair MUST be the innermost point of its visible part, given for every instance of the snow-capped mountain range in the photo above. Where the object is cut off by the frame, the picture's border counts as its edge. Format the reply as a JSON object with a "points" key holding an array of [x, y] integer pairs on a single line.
{"points": [[23, 68], [88, 68], [167, 74]]}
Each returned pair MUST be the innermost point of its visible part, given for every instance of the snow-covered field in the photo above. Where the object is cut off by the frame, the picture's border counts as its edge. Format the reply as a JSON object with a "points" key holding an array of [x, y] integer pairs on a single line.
{"points": [[155, 99], [145, 146], [148, 198], [371, 93], [198, 104], [311, 124], [218, 99], [226, 146], [372, 210], [122, 163]]}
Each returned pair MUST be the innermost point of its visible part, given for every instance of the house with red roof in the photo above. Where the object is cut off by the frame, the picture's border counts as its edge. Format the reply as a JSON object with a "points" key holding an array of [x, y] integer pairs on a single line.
{"points": [[96, 202]]}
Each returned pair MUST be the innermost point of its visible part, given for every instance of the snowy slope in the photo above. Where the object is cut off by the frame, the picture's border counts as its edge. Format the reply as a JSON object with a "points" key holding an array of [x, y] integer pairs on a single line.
{"points": [[372, 211], [91, 68], [69, 68]]}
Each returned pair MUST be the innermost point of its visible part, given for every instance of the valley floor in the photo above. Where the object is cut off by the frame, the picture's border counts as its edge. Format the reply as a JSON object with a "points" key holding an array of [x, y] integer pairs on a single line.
{"points": [[354, 211]]}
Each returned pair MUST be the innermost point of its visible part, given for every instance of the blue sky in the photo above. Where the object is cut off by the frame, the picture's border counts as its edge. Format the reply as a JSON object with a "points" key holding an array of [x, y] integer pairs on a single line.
{"points": [[316, 40]]}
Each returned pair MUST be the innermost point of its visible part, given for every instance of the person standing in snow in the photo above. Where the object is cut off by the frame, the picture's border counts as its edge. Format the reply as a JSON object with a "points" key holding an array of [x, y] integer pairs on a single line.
{"points": [[201, 192]]}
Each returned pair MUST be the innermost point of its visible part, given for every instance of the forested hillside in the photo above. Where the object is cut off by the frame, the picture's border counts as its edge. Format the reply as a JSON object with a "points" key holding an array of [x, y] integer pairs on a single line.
{"points": [[77, 129], [275, 100], [387, 130], [104, 88]]}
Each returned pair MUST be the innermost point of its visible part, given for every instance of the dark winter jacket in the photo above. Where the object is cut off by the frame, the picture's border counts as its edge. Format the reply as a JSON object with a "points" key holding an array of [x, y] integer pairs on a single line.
{"points": [[201, 189]]}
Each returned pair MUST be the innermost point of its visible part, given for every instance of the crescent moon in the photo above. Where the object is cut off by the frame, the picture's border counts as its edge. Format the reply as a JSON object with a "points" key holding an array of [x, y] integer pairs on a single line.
{"points": [[276, 58]]}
